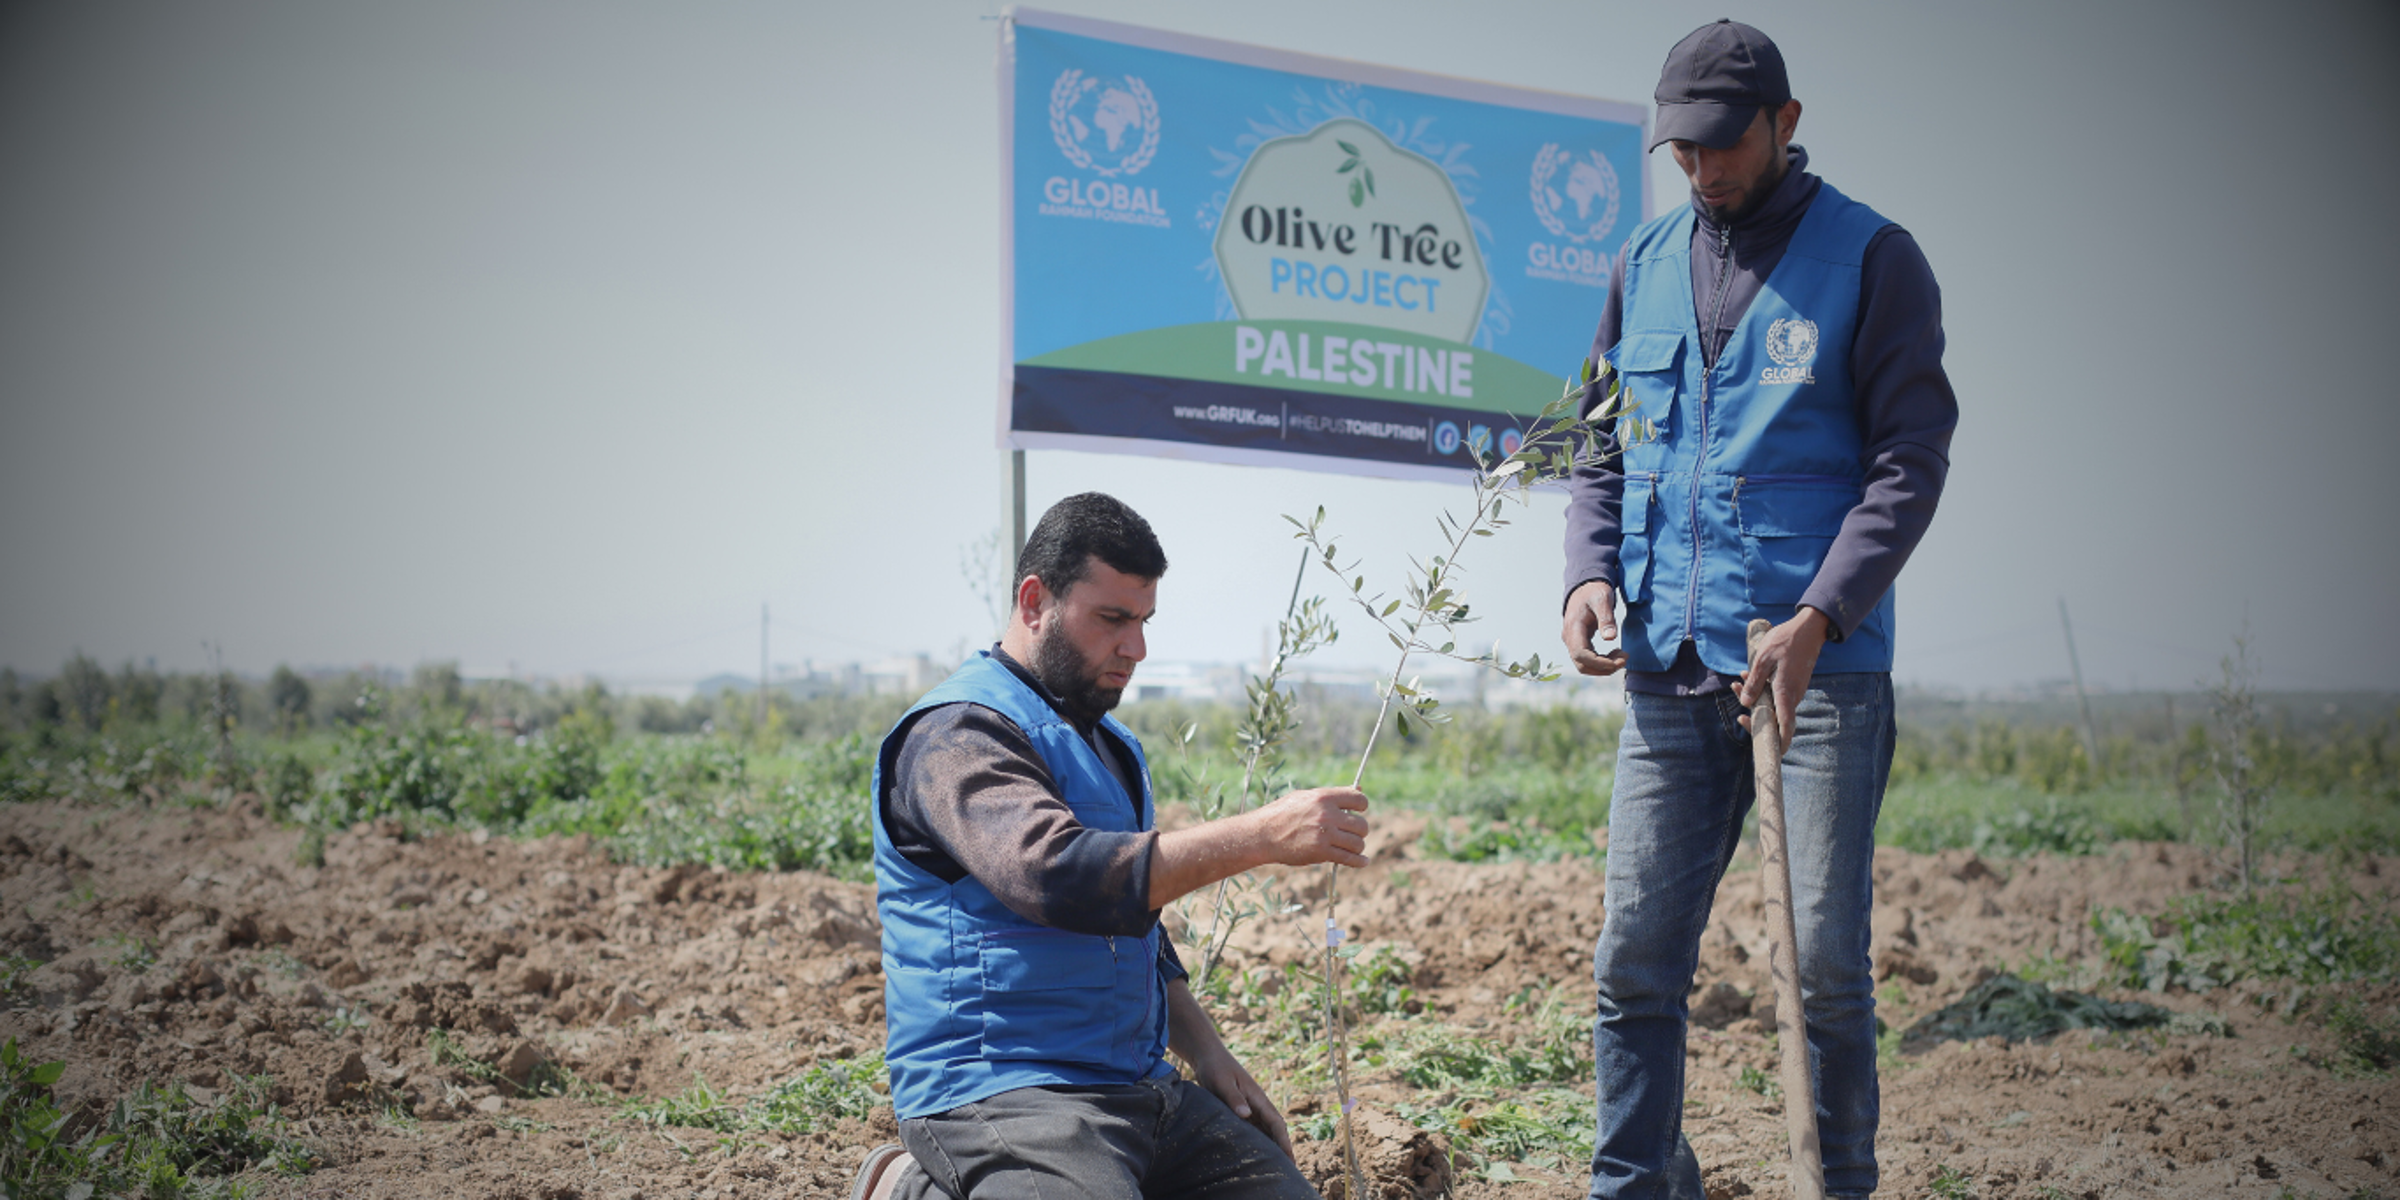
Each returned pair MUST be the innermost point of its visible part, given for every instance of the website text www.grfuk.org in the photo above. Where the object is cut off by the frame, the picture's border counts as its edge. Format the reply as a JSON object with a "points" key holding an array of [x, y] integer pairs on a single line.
{"points": [[1228, 414], [1234, 414]]}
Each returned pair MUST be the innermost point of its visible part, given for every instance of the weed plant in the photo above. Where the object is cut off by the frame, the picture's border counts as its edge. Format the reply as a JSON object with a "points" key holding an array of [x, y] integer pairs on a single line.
{"points": [[2364, 1044], [16, 978], [2306, 937], [829, 1091], [157, 1142]]}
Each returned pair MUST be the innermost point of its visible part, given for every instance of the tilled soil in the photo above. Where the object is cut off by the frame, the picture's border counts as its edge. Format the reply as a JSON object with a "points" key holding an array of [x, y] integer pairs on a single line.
{"points": [[333, 979]]}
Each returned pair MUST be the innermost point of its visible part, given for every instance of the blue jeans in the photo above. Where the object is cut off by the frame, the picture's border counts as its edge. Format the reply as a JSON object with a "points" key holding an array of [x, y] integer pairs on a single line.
{"points": [[1684, 786]]}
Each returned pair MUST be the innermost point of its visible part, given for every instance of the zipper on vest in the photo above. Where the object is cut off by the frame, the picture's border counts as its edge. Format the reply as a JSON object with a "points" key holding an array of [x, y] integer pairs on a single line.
{"points": [[1708, 375]]}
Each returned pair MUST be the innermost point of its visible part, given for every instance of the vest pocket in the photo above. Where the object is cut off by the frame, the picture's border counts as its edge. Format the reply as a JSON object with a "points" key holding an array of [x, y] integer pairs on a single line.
{"points": [[1648, 363], [1788, 523], [1633, 550], [1046, 996]]}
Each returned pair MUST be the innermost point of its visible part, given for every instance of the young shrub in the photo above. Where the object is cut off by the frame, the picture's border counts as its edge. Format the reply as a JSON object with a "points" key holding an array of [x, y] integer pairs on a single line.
{"points": [[1426, 616]]}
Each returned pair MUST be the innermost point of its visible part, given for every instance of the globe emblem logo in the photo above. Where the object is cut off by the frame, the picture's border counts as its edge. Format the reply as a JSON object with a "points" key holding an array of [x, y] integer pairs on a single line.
{"points": [[1106, 126], [1792, 341], [1574, 195]]}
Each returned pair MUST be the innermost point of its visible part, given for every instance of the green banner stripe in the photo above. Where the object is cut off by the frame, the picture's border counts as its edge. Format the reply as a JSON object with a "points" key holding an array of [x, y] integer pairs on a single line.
{"points": [[1410, 368]]}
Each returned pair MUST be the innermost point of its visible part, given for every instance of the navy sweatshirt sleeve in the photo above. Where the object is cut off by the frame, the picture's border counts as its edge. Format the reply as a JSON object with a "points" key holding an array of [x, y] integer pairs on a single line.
{"points": [[971, 796], [1906, 409], [1596, 489], [1907, 412]]}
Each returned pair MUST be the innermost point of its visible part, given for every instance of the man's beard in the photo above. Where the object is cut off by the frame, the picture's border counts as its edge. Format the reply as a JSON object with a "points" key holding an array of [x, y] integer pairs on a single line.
{"points": [[1749, 202], [1072, 678]]}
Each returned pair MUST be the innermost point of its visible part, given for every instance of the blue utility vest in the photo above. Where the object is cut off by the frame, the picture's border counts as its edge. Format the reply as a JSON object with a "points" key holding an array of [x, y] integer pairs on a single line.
{"points": [[978, 1000], [1729, 512]]}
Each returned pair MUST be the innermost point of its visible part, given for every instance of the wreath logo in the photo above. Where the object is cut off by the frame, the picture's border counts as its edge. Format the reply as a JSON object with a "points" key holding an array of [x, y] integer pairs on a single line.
{"points": [[1118, 114], [1792, 341], [1590, 188]]}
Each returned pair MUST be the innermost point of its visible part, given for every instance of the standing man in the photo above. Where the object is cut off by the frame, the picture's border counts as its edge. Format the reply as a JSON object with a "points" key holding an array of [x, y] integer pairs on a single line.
{"points": [[1786, 341], [1030, 997]]}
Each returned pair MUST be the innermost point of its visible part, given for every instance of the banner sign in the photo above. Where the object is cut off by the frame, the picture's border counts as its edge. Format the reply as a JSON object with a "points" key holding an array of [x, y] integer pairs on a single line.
{"points": [[1225, 252]]}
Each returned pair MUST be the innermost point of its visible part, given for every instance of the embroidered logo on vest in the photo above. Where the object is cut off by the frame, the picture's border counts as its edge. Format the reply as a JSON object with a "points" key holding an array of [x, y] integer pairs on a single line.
{"points": [[1792, 343]]}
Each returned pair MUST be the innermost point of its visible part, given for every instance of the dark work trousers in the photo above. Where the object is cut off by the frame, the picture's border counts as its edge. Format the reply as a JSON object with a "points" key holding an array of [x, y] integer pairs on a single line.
{"points": [[1164, 1139]]}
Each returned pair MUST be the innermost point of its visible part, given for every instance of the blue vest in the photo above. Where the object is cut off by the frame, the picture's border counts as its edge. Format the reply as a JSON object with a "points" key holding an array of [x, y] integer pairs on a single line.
{"points": [[1729, 513], [978, 1000]]}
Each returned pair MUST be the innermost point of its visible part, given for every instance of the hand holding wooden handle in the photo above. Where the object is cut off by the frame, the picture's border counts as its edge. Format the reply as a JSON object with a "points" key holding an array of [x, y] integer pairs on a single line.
{"points": [[1767, 742]]}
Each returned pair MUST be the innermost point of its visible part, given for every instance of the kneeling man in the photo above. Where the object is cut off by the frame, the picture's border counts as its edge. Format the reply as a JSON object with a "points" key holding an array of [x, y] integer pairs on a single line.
{"points": [[1030, 997]]}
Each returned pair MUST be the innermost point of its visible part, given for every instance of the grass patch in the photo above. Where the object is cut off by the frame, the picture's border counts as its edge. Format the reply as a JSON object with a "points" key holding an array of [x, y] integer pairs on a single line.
{"points": [[2364, 1044], [2005, 819], [2308, 937], [696, 1107], [135, 954], [160, 1142], [446, 1052], [829, 1091], [1501, 1102], [1549, 1129], [1950, 1183], [1445, 1058], [16, 977]]}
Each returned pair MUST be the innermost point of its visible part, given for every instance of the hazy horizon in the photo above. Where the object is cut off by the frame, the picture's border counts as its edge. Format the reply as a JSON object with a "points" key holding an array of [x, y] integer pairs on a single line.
{"points": [[563, 335]]}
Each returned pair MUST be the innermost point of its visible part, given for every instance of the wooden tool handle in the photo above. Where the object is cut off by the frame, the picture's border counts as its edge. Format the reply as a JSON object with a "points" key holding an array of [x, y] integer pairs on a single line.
{"points": [[1767, 741]]}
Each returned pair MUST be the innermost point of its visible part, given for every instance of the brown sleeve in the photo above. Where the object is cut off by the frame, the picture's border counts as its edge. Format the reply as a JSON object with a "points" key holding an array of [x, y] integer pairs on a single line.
{"points": [[971, 796]]}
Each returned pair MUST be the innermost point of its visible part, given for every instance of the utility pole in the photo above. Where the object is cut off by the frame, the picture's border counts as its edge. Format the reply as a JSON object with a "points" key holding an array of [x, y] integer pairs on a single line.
{"points": [[2183, 786], [221, 712], [1016, 510], [2091, 740], [759, 722]]}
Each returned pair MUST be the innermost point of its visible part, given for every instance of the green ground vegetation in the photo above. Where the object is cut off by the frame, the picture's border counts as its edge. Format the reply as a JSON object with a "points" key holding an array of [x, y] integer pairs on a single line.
{"points": [[827, 1091], [708, 781], [157, 1141]]}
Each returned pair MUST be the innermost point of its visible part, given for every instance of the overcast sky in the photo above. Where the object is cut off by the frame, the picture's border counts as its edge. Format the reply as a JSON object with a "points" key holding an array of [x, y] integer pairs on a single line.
{"points": [[560, 335]]}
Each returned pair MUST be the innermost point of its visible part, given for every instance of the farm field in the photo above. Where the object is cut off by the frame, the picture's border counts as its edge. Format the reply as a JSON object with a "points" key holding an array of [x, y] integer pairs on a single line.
{"points": [[437, 941], [464, 1015]]}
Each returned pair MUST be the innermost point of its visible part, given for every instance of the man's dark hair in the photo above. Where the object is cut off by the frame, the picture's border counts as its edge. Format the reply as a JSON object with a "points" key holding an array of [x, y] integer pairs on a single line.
{"points": [[1080, 528]]}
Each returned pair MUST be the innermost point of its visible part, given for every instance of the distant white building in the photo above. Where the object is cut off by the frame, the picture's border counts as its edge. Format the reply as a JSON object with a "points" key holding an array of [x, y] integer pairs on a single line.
{"points": [[1187, 681], [908, 676]]}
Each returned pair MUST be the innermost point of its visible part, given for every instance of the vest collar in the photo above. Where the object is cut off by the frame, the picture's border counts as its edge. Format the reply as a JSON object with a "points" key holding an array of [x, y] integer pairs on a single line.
{"points": [[1025, 675], [1775, 220]]}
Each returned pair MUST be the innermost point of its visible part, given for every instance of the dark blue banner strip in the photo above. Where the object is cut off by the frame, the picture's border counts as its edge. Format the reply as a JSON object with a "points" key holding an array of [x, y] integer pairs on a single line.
{"points": [[1109, 404]]}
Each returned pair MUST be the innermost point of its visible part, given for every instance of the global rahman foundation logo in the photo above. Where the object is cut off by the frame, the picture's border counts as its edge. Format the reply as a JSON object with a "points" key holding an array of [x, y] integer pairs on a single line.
{"points": [[1119, 112], [1576, 197], [1792, 343], [1109, 127]]}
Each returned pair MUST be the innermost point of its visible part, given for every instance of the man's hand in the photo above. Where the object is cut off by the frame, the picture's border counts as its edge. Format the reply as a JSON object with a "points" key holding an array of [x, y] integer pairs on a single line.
{"points": [[1193, 1037], [1299, 829], [1592, 609], [1232, 1083], [1786, 659], [1318, 825]]}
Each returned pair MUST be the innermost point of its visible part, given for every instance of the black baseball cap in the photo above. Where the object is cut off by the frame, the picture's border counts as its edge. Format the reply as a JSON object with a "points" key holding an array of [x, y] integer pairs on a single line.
{"points": [[1714, 82]]}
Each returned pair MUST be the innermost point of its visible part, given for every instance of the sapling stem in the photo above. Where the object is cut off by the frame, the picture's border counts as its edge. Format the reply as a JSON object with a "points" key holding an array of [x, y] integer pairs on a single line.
{"points": [[1266, 731], [1557, 443]]}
